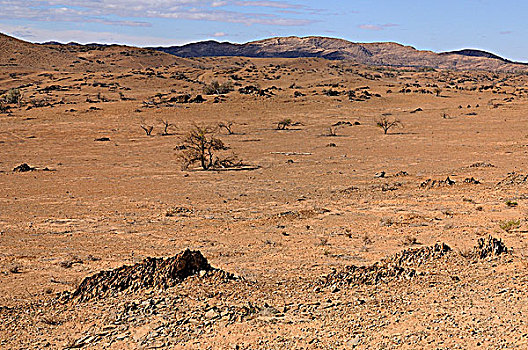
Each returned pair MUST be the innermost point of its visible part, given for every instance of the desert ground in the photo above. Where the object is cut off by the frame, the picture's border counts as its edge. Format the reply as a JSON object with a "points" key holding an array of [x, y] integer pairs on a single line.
{"points": [[327, 235]]}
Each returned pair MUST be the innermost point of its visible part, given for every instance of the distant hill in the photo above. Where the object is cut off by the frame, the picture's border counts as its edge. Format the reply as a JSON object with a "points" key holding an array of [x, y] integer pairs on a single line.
{"points": [[383, 54], [25, 55], [479, 53], [17, 54]]}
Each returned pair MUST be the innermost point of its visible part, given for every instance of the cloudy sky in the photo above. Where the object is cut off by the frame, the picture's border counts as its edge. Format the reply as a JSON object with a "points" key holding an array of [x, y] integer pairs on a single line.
{"points": [[439, 25]]}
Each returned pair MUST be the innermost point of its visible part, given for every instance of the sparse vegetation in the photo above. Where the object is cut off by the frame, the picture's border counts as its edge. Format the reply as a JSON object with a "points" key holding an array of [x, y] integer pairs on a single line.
{"points": [[228, 126], [13, 96], [410, 240], [147, 128], [510, 225], [3, 107], [284, 123], [386, 124], [216, 88], [201, 146], [167, 125], [332, 130]]}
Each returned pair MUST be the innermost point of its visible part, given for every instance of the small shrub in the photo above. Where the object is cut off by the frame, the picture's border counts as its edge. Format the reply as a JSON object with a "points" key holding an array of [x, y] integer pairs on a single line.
{"points": [[13, 96], [323, 241], [510, 225], [332, 130], [216, 88], [284, 123], [15, 268], [511, 203], [3, 107], [410, 240]]}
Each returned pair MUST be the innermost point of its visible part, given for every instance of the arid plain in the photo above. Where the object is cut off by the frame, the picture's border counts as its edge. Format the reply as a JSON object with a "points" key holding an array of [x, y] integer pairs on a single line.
{"points": [[327, 192]]}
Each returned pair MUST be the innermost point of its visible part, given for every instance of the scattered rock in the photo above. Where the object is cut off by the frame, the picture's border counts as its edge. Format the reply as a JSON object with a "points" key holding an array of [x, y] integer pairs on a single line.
{"points": [[401, 173], [513, 178], [429, 183], [22, 168], [471, 180], [482, 165]]}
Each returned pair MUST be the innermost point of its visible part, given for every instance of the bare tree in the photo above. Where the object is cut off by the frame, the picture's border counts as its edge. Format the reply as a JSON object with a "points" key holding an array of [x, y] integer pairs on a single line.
{"points": [[166, 126], [332, 130], [201, 144], [147, 128], [437, 91], [387, 124], [227, 126]]}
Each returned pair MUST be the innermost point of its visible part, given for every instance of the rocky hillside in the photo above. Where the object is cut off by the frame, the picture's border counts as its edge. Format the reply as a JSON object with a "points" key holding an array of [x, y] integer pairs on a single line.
{"points": [[386, 54], [18, 54]]}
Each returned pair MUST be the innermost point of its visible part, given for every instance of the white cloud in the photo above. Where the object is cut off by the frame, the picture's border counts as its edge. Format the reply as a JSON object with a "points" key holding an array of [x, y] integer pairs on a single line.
{"points": [[218, 3], [377, 27], [105, 11], [275, 4], [219, 34]]}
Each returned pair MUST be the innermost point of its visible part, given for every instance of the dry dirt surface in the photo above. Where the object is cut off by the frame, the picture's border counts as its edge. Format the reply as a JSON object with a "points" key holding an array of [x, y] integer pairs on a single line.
{"points": [[326, 233]]}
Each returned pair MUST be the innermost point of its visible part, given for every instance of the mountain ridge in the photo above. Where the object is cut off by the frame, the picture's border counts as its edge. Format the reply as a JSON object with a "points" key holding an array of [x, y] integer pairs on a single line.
{"points": [[53, 54], [376, 53]]}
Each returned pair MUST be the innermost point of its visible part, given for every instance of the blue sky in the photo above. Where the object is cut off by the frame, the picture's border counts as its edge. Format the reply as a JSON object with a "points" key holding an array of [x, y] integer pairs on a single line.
{"points": [[496, 26]]}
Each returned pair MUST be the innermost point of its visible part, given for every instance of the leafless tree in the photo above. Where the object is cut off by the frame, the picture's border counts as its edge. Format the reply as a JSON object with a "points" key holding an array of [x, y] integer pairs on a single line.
{"points": [[387, 124], [166, 126], [227, 126], [147, 128]]}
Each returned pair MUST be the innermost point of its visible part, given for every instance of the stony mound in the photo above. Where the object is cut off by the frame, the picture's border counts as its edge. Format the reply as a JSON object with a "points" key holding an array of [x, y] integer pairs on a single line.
{"points": [[159, 273], [419, 256], [370, 275], [395, 267], [513, 179], [402, 265]]}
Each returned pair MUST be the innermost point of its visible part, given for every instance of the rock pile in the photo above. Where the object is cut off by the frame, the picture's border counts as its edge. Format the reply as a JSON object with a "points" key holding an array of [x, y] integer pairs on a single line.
{"points": [[489, 247], [419, 256], [370, 275], [156, 273], [401, 266], [513, 179], [395, 267], [430, 183], [22, 168]]}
